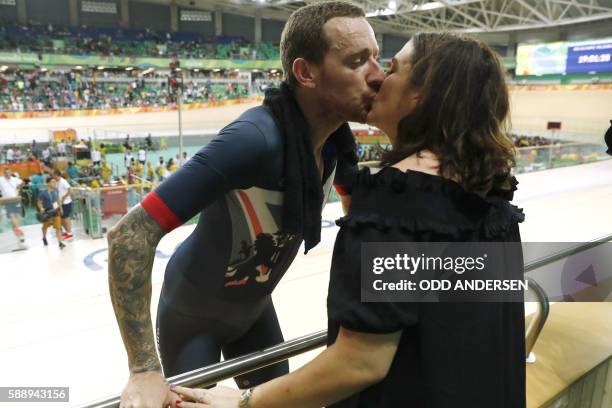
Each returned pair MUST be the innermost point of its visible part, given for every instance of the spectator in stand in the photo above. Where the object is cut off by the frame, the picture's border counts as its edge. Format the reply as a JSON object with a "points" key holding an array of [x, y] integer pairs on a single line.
{"points": [[96, 157], [61, 148], [46, 156], [142, 156], [161, 170], [128, 158], [10, 155], [171, 167], [64, 192], [106, 171], [72, 170], [36, 182], [10, 187], [184, 159], [49, 205], [150, 172]]}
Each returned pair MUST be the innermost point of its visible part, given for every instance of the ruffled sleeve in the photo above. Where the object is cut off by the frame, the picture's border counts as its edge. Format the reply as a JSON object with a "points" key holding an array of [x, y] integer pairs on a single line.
{"points": [[344, 305]]}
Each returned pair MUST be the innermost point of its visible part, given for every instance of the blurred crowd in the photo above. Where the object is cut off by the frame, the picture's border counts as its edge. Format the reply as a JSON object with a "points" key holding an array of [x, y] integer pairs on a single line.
{"points": [[530, 141], [34, 91], [84, 40]]}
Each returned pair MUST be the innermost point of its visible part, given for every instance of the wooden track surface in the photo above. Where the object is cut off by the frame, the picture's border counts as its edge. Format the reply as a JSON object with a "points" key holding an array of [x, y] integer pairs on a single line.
{"points": [[577, 338]]}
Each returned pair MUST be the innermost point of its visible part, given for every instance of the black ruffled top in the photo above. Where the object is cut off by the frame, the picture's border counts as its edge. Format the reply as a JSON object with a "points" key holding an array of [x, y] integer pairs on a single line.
{"points": [[450, 354]]}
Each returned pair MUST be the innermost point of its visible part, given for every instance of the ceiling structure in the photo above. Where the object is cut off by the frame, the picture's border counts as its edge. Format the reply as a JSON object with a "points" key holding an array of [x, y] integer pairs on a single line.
{"points": [[408, 16]]}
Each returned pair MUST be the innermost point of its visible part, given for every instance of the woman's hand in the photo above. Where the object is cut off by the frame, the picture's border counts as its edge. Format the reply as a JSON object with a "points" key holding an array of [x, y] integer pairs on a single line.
{"points": [[218, 397]]}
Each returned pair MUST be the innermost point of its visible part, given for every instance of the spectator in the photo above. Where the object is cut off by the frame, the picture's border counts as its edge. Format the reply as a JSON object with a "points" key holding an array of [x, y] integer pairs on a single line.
{"points": [[161, 170], [72, 170], [46, 155], [150, 172], [49, 208], [64, 192], [128, 158], [36, 182], [171, 166], [61, 148], [96, 156], [10, 187], [184, 159], [142, 156], [10, 155]]}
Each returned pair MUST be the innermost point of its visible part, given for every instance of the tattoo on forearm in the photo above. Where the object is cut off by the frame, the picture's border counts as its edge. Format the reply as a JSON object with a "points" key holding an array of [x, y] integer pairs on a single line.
{"points": [[132, 244]]}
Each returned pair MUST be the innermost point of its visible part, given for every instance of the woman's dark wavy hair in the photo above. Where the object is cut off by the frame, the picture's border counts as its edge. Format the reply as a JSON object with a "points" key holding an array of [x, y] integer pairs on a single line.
{"points": [[461, 114]]}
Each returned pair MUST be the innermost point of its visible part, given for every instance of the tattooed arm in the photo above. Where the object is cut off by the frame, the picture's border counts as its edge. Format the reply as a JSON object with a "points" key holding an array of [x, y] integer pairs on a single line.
{"points": [[132, 244]]}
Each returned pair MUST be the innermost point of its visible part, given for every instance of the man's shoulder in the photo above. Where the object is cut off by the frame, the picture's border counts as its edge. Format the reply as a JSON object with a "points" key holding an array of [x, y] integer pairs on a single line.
{"points": [[259, 117]]}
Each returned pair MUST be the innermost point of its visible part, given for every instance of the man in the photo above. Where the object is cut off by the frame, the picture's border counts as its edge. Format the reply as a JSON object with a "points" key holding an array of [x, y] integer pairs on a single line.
{"points": [[9, 190], [142, 156], [184, 159], [127, 158], [64, 191], [262, 182], [10, 155], [96, 157], [49, 204], [161, 170], [72, 170]]}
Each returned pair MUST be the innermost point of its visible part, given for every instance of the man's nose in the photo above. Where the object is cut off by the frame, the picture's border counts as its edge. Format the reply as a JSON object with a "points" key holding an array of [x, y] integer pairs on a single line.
{"points": [[376, 75]]}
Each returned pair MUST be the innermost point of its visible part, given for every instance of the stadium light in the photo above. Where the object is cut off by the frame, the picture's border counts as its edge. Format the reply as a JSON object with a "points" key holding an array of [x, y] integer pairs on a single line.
{"points": [[216, 70], [129, 68], [78, 67], [100, 68], [3, 68], [196, 69]]}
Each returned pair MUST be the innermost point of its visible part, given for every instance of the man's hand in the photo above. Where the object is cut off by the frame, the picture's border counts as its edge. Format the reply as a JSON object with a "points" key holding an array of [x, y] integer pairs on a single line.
{"points": [[147, 390]]}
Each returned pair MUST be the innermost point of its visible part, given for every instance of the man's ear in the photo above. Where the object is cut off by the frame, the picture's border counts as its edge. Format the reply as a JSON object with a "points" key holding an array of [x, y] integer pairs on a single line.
{"points": [[305, 73]]}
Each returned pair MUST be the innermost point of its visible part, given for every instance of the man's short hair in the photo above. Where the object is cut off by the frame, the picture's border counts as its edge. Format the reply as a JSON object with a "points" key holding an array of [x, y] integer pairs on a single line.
{"points": [[303, 35]]}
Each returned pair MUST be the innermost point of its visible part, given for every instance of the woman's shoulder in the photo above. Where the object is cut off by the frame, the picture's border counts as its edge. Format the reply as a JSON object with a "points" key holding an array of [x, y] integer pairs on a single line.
{"points": [[418, 202]]}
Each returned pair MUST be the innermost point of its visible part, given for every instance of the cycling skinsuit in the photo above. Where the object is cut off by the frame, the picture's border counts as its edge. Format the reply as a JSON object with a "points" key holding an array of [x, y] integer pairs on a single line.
{"points": [[216, 295]]}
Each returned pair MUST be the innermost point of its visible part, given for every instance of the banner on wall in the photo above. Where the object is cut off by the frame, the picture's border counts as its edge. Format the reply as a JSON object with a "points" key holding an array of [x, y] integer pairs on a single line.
{"points": [[121, 61]]}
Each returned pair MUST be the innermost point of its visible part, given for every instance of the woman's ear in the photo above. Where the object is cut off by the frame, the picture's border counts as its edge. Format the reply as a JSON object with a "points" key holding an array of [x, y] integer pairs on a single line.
{"points": [[305, 73]]}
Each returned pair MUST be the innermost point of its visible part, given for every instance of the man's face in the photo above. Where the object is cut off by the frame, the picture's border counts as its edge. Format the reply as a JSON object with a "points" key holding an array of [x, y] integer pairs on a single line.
{"points": [[349, 77], [7, 172]]}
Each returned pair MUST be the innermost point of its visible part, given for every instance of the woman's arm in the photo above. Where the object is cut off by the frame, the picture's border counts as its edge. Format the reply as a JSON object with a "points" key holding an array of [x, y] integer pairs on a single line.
{"points": [[355, 361]]}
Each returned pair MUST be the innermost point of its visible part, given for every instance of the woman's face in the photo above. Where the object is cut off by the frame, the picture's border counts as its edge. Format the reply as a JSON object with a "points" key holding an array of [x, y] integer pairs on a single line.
{"points": [[394, 100]]}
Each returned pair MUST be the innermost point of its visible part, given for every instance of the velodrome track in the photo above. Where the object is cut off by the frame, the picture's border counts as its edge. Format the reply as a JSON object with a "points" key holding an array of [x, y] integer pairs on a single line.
{"points": [[585, 112]]}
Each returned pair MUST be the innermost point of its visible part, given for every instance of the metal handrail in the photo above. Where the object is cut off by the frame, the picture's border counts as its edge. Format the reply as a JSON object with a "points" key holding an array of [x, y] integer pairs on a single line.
{"points": [[212, 374]]}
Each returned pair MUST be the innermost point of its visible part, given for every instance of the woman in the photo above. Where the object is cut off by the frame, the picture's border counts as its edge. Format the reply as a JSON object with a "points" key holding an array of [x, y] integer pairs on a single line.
{"points": [[447, 178]]}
